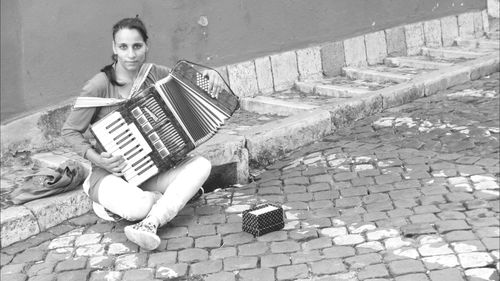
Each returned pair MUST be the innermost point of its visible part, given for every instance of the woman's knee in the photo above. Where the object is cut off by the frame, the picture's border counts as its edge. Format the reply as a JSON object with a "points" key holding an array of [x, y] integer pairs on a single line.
{"points": [[202, 165], [137, 210]]}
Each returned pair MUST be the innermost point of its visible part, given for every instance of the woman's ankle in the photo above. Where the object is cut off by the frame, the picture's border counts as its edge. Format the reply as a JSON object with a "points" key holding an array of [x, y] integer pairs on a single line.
{"points": [[153, 220]]}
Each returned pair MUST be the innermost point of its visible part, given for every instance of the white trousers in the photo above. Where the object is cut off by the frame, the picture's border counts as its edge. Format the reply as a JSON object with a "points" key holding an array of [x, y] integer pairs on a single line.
{"points": [[161, 197]]}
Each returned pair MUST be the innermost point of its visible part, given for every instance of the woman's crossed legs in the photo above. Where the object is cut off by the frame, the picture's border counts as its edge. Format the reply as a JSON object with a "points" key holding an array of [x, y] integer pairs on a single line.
{"points": [[147, 203]]}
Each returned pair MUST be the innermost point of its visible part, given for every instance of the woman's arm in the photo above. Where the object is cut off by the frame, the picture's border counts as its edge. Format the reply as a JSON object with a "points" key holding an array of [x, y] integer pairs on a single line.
{"points": [[78, 122]]}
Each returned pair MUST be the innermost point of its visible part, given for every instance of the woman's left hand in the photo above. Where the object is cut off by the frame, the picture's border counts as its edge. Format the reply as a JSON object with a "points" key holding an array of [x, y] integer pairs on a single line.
{"points": [[215, 83]]}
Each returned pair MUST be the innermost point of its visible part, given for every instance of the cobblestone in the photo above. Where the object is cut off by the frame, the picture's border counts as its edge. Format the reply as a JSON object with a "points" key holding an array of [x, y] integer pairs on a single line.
{"points": [[401, 267]]}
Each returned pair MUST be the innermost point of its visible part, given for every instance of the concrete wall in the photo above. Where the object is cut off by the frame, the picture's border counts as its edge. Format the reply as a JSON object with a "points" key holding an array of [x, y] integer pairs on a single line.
{"points": [[49, 48]]}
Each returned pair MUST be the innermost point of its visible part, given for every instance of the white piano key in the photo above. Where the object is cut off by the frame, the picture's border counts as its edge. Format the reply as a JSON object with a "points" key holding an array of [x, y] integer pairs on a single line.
{"points": [[135, 157], [137, 134], [121, 148], [105, 137], [106, 121], [134, 168], [137, 180]]}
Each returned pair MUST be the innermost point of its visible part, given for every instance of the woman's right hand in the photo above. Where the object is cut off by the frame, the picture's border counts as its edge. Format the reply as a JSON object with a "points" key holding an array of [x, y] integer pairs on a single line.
{"points": [[112, 163]]}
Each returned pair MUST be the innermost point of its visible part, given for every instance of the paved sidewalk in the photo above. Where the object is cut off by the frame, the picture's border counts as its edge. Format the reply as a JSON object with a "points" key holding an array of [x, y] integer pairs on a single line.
{"points": [[408, 194]]}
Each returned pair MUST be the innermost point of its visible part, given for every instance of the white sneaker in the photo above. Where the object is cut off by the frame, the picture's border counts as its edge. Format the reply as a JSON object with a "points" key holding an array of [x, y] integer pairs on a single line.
{"points": [[143, 234]]}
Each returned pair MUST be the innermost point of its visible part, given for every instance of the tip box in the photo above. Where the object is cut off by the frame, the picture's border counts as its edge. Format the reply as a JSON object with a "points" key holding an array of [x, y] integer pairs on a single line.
{"points": [[263, 219]]}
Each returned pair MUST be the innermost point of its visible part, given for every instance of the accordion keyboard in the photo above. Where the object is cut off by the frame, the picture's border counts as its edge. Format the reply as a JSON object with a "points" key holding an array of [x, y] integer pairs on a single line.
{"points": [[121, 138]]}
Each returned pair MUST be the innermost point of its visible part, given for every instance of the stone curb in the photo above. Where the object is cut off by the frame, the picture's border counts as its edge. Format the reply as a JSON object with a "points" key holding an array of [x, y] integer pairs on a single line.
{"points": [[261, 144]]}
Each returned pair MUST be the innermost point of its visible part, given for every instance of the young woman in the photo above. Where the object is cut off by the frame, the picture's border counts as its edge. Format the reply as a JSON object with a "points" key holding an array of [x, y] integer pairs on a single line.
{"points": [[158, 200]]}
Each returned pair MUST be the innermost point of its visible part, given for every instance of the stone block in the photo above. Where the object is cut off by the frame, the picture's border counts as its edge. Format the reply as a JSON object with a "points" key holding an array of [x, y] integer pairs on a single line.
{"points": [[450, 53], [309, 63], [205, 267], [483, 66], [355, 51], [376, 47], [416, 63], [269, 105], [432, 33], [345, 112], [285, 71], [493, 8], [238, 263], [261, 274], [332, 58], [305, 87], [449, 30], [466, 25], [414, 35], [338, 91], [486, 21], [442, 79], [17, 223], [482, 274], [400, 94], [267, 142], [456, 75], [396, 41], [243, 79], [478, 24], [374, 75], [51, 211], [264, 75], [451, 274], [292, 272], [475, 259], [226, 149], [40, 130]]}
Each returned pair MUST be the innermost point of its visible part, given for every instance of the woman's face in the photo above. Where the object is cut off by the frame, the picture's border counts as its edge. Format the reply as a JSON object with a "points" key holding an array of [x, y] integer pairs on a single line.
{"points": [[130, 48]]}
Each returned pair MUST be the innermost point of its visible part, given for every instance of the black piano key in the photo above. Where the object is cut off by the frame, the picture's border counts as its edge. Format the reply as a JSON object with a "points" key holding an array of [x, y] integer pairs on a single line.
{"points": [[133, 155]]}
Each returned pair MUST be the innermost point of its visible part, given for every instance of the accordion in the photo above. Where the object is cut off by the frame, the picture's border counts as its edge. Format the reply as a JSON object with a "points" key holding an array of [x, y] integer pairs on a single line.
{"points": [[158, 127]]}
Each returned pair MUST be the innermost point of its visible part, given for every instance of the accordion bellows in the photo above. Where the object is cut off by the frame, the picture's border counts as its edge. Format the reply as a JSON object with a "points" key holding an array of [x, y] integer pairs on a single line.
{"points": [[158, 127], [263, 219]]}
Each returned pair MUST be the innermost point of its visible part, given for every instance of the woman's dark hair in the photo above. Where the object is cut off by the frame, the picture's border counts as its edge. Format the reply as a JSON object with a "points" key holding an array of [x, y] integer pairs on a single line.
{"points": [[129, 23]]}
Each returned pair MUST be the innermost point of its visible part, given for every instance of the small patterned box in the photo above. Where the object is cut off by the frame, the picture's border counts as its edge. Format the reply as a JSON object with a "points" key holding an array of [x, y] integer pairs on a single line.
{"points": [[263, 219]]}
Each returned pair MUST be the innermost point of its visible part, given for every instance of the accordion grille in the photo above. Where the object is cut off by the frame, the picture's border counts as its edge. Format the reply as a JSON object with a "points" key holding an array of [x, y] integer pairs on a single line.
{"points": [[161, 124]]}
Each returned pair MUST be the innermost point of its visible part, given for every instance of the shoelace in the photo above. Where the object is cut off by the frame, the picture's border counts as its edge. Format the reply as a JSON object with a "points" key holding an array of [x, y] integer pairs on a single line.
{"points": [[145, 226]]}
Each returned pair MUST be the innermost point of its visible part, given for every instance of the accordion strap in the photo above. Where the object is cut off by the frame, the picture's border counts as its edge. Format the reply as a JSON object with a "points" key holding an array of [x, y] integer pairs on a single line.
{"points": [[141, 77], [83, 102]]}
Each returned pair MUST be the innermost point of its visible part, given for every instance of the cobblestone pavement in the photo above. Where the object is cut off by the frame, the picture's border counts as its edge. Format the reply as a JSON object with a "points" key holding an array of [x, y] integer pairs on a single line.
{"points": [[408, 194]]}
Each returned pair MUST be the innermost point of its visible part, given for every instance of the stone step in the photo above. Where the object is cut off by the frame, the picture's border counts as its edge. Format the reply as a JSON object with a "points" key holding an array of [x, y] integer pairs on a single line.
{"points": [[421, 62], [452, 53], [340, 87], [338, 91], [494, 35], [373, 75], [384, 73], [271, 105], [481, 43]]}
